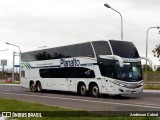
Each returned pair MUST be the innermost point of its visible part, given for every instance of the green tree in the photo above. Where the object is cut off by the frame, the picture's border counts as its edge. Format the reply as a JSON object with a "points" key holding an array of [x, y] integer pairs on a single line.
{"points": [[158, 69], [43, 56], [148, 68], [156, 51]]}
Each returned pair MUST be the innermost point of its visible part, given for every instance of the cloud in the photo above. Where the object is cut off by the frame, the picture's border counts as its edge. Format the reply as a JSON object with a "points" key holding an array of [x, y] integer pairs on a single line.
{"points": [[35, 23]]}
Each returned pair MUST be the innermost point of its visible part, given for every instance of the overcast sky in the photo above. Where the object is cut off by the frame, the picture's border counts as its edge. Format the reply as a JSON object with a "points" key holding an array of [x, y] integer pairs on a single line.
{"points": [[34, 23]]}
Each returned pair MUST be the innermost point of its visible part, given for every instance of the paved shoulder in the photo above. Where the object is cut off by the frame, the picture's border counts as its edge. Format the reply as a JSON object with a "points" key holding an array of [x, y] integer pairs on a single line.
{"points": [[11, 84], [152, 91], [149, 91]]}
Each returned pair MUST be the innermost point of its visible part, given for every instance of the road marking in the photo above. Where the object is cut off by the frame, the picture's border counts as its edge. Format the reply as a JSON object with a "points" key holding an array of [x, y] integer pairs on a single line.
{"points": [[72, 99], [5, 90]]}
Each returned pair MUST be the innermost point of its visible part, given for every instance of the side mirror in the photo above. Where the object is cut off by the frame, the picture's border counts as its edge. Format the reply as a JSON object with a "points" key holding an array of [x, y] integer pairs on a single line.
{"points": [[113, 57]]}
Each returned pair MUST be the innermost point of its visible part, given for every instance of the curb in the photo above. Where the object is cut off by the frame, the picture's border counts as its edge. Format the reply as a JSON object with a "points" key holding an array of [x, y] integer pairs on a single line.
{"points": [[11, 84], [152, 91]]}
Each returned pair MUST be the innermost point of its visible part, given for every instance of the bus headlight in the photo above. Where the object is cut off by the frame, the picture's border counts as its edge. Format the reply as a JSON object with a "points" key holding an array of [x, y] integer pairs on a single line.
{"points": [[122, 85]]}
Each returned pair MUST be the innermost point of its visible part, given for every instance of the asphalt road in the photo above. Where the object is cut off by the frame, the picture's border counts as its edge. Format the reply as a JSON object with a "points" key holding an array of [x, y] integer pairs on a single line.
{"points": [[146, 101]]}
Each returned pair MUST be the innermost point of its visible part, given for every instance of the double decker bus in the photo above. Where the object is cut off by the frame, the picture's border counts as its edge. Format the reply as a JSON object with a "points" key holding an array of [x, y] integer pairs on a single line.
{"points": [[98, 67]]}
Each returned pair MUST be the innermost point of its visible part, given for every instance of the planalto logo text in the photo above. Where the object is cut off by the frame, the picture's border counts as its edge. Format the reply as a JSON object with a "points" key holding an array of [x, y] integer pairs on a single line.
{"points": [[69, 63]]}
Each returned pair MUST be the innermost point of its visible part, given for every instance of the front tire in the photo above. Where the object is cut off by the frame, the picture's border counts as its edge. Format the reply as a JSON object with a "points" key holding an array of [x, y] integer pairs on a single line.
{"points": [[95, 90], [39, 87]]}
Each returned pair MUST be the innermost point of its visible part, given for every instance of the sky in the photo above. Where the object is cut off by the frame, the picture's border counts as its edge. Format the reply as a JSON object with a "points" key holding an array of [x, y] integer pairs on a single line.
{"points": [[31, 24]]}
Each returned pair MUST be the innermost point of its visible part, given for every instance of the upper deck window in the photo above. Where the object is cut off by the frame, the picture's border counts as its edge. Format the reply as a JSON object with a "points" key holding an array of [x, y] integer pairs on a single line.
{"points": [[101, 48], [124, 49], [77, 50]]}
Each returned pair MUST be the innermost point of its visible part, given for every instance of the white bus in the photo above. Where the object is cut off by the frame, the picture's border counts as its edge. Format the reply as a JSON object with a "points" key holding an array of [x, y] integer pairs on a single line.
{"points": [[99, 67]]}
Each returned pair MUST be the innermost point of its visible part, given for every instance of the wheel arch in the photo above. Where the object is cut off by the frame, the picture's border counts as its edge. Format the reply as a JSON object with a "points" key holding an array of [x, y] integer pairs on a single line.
{"points": [[91, 84], [38, 82], [31, 82], [79, 83]]}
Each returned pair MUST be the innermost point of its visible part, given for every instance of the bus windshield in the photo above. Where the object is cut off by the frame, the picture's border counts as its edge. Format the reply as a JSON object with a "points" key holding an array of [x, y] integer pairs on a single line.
{"points": [[131, 72]]}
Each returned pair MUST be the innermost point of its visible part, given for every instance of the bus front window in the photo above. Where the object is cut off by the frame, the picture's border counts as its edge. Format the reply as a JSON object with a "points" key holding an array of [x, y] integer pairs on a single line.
{"points": [[131, 72]]}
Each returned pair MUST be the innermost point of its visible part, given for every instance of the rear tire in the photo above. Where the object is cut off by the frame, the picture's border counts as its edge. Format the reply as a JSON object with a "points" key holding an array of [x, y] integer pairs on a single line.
{"points": [[32, 87], [82, 90]]}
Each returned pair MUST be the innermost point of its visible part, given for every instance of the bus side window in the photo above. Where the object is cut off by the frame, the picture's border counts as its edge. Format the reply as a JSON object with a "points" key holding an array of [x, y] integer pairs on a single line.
{"points": [[108, 71], [67, 72], [85, 73], [79, 72], [53, 73]]}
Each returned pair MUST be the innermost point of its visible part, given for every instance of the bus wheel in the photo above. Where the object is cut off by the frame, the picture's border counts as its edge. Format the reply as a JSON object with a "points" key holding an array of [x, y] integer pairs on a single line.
{"points": [[82, 90], [95, 90], [39, 87], [32, 87]]}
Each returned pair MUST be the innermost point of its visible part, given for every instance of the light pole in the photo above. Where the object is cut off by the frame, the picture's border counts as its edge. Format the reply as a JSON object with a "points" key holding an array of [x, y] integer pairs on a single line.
{"points": [[13, 60], [108, 6], [3, 64], [14, 45], [158, 27]]}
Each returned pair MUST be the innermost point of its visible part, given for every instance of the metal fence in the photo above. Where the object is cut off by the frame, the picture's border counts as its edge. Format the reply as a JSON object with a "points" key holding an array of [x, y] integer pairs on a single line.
{"points": [[152, 78]]}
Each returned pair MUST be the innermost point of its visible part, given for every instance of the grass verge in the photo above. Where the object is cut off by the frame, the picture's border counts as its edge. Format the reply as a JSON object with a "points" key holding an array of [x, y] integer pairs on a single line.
{"points": [[152, 87], [16, 82], [22, 107]]}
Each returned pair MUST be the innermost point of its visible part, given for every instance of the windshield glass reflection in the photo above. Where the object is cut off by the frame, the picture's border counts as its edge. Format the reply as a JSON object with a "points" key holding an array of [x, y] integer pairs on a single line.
{"points": [[131, 72]]}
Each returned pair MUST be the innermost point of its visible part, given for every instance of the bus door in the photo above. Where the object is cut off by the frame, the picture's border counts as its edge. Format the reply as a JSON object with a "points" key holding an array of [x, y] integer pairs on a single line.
{"points": [[107, 86], [25, 78], [108, 81], [110, 86]]}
